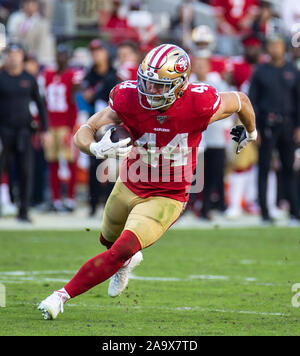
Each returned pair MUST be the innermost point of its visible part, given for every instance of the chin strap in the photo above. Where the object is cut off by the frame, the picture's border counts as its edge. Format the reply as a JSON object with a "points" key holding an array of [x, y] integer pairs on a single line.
{"points": [[171, 94], [169, 97]]}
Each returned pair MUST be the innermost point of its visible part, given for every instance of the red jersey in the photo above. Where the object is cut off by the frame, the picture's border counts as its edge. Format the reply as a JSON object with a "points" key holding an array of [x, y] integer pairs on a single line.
{"points": [[240, 70], [119, 29], [62, 110], [235, 10], [218, 64], [164, 155]]}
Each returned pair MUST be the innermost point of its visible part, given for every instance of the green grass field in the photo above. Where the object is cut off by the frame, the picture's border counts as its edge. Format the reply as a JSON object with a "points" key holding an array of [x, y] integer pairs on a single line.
{"points": [[191, 282]]}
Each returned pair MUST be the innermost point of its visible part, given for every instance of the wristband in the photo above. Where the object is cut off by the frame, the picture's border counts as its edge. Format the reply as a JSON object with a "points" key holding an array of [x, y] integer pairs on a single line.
{"points": [[87, 125], [252, 135], [239, 100]]}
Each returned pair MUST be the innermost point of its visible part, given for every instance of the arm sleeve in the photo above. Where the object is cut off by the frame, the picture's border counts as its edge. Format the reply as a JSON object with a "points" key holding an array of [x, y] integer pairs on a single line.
{"points": [[36, 97]]}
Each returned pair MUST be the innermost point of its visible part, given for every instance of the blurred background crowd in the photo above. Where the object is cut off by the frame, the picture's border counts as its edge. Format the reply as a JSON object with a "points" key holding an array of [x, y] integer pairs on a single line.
{"points": [[64, 56]]}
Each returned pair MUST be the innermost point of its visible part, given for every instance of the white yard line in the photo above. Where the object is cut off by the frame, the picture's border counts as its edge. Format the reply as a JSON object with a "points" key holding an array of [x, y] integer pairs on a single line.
{"points": [[44, 276], [25, 273], [209, 277], [8, 277], [185, 308], [100, 307]]}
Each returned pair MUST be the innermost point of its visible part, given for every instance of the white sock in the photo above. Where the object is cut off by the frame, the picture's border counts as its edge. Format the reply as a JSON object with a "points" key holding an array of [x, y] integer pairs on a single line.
{"points": [[70, 203], [5, 197], [57, 204], [272, 191], [236, 191]]}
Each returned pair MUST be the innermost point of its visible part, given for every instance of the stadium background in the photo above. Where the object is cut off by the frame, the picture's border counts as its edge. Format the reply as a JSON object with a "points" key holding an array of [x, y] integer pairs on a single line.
{"points": [[244, 272]]}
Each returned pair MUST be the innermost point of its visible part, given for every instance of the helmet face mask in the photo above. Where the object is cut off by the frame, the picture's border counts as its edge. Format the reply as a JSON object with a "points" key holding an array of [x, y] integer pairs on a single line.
{"points": [[162, 76], [159, 93]]}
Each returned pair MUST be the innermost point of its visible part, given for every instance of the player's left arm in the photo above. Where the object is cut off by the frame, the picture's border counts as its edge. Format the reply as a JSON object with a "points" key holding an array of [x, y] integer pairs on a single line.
{"points": [[238, 102]]}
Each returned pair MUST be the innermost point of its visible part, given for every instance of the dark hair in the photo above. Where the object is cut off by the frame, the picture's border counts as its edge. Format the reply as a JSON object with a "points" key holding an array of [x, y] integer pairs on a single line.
{"points": [[15, 46], [266, 4], [131, 44], [30, 57], [64, 48]]}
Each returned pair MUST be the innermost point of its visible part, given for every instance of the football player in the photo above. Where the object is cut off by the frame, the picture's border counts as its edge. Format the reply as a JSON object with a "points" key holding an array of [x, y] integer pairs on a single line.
{"points": [[166, 116], [61, 85]]}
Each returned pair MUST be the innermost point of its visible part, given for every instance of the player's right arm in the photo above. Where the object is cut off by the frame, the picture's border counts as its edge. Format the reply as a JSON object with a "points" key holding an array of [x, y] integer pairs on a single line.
{"points": [[85, 142], [84, 138], [85, 134]]}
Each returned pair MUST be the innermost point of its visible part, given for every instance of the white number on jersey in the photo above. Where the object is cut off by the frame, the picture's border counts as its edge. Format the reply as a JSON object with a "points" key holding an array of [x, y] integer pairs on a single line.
{"points": [[176, 150], [152, 156], [199, 88], [128, 84], [237, 8], [56, 97]]}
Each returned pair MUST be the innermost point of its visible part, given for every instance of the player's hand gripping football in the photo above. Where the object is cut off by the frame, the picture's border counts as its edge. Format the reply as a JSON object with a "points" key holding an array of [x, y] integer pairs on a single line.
{"points": [[105, 148], [242, 137]]}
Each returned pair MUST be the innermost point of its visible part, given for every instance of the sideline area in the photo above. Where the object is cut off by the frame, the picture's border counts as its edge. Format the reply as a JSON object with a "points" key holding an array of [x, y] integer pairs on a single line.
{"points": [[79, 220]]}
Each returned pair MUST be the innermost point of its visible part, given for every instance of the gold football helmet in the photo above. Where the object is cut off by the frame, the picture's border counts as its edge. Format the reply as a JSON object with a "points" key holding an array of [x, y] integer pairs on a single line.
{"points": [[203, 41], [203, 34], [163, 76]]}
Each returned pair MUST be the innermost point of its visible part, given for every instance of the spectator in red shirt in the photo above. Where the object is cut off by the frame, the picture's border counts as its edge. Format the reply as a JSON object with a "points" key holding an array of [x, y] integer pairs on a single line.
{"points": [[117, 27], [234, 18], [60, 87]]}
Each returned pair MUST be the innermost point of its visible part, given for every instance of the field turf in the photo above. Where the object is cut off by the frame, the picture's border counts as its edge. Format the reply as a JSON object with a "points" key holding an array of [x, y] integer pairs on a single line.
{"points": [[191, 282]]}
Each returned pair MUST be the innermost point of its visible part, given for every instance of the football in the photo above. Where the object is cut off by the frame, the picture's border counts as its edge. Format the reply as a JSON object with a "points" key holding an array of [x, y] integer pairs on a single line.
{"points": [[119, 132]]}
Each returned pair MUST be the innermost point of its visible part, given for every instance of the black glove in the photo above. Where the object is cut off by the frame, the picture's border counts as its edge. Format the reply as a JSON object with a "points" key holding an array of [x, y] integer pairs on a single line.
{"points": [[239, 135]]}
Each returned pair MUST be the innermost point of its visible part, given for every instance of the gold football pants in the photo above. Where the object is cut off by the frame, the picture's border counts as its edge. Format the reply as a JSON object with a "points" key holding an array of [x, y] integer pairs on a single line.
{"points": [[148, 218], [58, 145]]}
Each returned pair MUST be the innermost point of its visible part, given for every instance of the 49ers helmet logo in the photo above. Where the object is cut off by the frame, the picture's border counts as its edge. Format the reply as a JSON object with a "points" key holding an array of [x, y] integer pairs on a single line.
{"points": [[182, 64]]}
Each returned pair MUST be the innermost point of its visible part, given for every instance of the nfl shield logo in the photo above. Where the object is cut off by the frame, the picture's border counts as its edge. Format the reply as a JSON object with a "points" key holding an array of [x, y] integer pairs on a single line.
{"points": [[161, 119]]}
